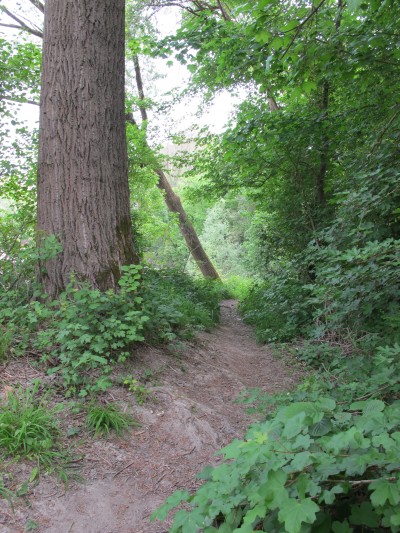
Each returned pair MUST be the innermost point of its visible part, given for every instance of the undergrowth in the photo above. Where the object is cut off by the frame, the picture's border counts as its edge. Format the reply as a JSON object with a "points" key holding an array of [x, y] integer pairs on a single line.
{"points": [[177, 304], [29, 428], [28, 425], [238, 287], [83, 334]]}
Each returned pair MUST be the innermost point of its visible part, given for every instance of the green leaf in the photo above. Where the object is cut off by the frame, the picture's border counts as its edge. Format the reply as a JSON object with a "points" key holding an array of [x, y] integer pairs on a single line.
{"points": [[187, 522], [286, 413], [251, 516], [302, 441], [304, 484], [34, 474], [364, 515], [294, 426], [395, 519], [341, 527], [325, 404], [293, 513], [262, 36], [321, 428], [383, 491], [328, 496], [301, 460], [173, 501], [368, 407], [290, 26]]}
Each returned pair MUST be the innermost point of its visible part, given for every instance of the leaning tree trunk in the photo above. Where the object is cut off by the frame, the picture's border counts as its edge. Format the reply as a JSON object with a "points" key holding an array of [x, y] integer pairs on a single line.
{"points": [[173, 201], [188, 232], [83, 192]]}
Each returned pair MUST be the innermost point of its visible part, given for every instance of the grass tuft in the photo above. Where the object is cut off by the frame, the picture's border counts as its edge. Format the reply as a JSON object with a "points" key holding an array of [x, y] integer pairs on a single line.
{"points": [[101, 420], [28, 426]]}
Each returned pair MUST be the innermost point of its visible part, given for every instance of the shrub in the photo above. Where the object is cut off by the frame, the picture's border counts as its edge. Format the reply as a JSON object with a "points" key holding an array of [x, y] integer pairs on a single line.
{"points": [[20, 310], [278, 308], [177, 304], [238, 287], [90, 330], [358, 288]]}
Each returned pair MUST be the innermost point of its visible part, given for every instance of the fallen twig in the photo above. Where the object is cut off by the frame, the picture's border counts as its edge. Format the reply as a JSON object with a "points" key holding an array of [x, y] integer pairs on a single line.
{"points": [[122, 469]]}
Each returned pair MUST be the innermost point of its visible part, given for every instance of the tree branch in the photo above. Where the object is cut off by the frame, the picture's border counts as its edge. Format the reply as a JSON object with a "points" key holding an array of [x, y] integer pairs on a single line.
{"points": [[139, 84], [38, 4], [313, 11], [11, 26], [19, 100], [385, 129], [23, 25], [198, 8]]}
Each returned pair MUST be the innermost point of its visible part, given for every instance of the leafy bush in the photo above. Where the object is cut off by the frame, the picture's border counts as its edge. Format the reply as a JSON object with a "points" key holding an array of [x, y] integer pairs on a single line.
{"points": [[358, 288], [238, 287], [278, 308], [326, 460], [20, 259], [83, 333], [176, 304], [347, 276], [91, 329], [21, 313], [103, 419]]}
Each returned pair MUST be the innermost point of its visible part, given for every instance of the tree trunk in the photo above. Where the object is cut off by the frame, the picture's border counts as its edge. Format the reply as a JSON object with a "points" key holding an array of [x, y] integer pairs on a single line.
{"points": [[323, 166], [272, 104], [83, 192], [188, 232], [173, 201]]}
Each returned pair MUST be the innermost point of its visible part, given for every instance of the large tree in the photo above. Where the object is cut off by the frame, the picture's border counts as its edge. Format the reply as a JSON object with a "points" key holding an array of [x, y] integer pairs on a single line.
{"points": [[83, 193]]}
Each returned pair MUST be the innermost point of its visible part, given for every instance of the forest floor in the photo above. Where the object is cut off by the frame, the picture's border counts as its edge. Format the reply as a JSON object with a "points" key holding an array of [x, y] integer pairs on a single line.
{"points": [[190, 415]]}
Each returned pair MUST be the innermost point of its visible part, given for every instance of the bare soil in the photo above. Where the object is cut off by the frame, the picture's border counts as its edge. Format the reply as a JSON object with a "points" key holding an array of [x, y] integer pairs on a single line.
{"points": [[191, 414]]}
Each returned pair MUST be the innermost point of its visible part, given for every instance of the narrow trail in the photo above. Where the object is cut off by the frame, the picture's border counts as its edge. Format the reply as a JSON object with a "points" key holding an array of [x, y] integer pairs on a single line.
{"points": [[191, 416]]}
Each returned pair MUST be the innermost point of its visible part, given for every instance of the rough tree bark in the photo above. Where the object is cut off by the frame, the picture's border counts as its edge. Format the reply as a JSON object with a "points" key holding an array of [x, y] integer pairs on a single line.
{"points": [[174, 203], [83, 192]]}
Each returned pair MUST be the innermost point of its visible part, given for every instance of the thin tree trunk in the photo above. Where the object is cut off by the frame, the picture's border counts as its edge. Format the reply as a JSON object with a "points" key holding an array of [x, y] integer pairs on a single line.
{"points": [[323, 166], [324, 151], [83, 192], [272, 104], [174, 203], [139, 84]]}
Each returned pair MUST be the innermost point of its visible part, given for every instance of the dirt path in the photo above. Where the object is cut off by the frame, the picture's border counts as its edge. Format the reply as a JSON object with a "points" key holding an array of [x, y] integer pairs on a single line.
{"points": [[193, 415]]}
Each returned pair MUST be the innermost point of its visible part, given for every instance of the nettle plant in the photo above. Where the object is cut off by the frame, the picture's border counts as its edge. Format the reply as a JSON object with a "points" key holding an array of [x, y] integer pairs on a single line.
{"points": [[90, 330], [329, 463]]}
